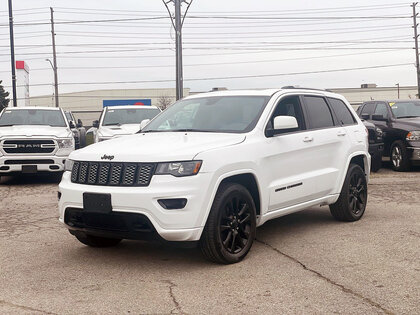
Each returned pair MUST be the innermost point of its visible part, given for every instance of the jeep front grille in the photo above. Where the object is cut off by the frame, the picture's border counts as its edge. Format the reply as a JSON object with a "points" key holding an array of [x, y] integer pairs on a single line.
{"points": [[28, 146], [112, 173]]}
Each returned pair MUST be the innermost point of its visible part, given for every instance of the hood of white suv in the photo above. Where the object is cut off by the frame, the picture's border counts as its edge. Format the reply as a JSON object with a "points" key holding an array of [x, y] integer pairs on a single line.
{"points": [[35, 131], [126, 129], [156, 147]]}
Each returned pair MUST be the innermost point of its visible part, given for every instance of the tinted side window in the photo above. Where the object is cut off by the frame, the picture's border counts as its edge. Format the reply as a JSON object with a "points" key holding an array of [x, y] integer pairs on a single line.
{"points": [[319, 113], [288, 106], [381, 109], [341, 111], [368, 108]]}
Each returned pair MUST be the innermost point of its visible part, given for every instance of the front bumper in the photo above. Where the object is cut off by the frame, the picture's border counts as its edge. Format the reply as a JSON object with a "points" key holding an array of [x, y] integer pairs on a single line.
{"points": [[376, 149], [130, 205], [414, 153], [43, 163]]}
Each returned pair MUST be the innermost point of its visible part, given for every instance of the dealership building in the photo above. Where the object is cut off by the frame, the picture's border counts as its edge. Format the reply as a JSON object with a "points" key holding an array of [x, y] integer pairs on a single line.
{"points": [[88, 105]]}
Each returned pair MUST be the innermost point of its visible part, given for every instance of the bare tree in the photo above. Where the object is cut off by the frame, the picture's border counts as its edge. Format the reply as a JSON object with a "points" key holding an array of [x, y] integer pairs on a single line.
{"points": [[164, 101]]}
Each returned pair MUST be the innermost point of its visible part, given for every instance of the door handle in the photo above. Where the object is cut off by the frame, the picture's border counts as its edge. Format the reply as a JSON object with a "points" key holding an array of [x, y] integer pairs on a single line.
{"points": [[341, 133], [308, 139]]}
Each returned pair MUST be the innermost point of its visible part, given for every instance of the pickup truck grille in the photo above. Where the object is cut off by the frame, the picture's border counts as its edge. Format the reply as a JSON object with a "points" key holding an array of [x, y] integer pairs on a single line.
{"points": [[28, 146], [112, 174]]}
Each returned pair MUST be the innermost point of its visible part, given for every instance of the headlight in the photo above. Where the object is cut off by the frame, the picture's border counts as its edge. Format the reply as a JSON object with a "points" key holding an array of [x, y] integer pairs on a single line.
{"points": [[179, 169], [379, 132], [413, 135], [65, 143], [68, 165]]}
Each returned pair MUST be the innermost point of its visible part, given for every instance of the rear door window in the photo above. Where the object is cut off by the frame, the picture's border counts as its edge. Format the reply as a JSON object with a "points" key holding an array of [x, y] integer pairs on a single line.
{"points": [[319, 113], [381, 109], [368, 109], [345, 117]]}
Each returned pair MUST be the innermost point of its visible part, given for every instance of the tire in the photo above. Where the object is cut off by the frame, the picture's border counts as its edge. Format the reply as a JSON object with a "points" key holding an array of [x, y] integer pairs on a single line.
{"points": [[231, 226], [399, 157], [376, 163], [351, 204], [96, 241]]}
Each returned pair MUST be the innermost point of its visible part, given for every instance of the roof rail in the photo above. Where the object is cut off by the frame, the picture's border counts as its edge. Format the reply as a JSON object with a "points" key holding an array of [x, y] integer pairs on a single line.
{"points": [[302, 88]]}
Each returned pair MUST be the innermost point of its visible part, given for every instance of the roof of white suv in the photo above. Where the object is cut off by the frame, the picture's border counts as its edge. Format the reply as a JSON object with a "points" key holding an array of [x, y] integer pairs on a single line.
{"points": [[265, 92]]}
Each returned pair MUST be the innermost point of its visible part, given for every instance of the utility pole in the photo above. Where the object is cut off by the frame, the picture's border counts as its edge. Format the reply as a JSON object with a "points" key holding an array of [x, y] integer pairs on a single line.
{"points": [[398, 89], [12, 53], [416, 41], [178, 45], [54, 58], [177, 21]]}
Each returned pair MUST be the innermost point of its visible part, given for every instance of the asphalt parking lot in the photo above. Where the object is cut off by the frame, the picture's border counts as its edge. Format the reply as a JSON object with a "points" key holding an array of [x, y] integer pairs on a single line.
{"points": [[301, 263]]}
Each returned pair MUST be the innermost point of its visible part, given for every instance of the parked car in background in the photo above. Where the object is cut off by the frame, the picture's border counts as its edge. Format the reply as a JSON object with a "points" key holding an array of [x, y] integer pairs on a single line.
{"points": [[34, 139], [376, 145], [117, 121], [79, 132], [214, 166], [400, 124]]}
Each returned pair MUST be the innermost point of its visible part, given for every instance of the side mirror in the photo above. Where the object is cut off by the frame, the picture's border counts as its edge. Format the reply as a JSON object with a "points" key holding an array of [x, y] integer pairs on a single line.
{"points": [[143, 123], [95, 124], [285, 122], [379, 118], [365, 116], [79, 123], [71, 124]]}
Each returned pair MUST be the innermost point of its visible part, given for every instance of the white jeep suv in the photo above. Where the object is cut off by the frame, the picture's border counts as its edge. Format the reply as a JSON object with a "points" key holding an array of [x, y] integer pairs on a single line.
{"points": [[214, 166], [117, 121], [34, 139]]}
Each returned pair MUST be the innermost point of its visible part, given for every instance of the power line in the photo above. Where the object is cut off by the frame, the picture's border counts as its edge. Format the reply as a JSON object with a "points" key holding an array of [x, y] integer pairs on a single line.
{"points": [[209, 64], [230, 77]]}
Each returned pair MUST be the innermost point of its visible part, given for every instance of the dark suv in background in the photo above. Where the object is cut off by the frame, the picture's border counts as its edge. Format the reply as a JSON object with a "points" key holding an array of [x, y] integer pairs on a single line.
{"points": [[376, 145], [400, 123]]}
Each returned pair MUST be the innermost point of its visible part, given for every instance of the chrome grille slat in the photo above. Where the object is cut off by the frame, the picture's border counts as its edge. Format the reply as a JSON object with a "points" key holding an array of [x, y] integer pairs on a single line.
{"points": [[112, 173]]}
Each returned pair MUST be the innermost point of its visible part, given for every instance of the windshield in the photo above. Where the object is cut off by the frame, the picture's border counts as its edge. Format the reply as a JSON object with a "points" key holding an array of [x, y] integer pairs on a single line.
{"points": [[405, 109], [128, 115], [233, 114], [16, 117]]}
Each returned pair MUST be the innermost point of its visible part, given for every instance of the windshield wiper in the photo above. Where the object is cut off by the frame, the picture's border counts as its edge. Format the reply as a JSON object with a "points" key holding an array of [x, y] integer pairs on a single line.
{"points": [[147, 131], [115, 124], [6, 125], [412, 116], [191, 130]]}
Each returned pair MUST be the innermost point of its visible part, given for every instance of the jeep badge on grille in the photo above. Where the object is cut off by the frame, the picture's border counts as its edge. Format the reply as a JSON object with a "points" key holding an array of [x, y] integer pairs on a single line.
{"points": [[107, 157]]}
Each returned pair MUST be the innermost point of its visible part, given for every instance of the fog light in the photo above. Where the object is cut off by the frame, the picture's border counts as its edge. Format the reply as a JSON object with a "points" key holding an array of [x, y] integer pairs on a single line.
{"points": [[171, 204]]}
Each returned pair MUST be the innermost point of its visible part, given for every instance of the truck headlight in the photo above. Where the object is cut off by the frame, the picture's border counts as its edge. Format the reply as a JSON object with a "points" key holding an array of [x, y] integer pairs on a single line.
{"points": [[179, 169], [68, 165], [65, 143], [413, 135]]}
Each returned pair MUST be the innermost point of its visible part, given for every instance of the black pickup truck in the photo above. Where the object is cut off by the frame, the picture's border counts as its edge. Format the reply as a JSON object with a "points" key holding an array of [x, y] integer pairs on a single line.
{"points": [[400, 123]]}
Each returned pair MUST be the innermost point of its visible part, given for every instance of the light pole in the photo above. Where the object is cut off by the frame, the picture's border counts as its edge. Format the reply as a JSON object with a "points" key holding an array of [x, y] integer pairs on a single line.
{"points": [[398, 89], [55, 81]]}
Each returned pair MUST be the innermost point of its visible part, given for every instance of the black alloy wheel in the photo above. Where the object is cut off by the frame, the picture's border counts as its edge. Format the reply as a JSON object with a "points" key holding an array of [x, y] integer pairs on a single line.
{"points": [[357, 193], [231, 225], [235, 224], [351, 203]]}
